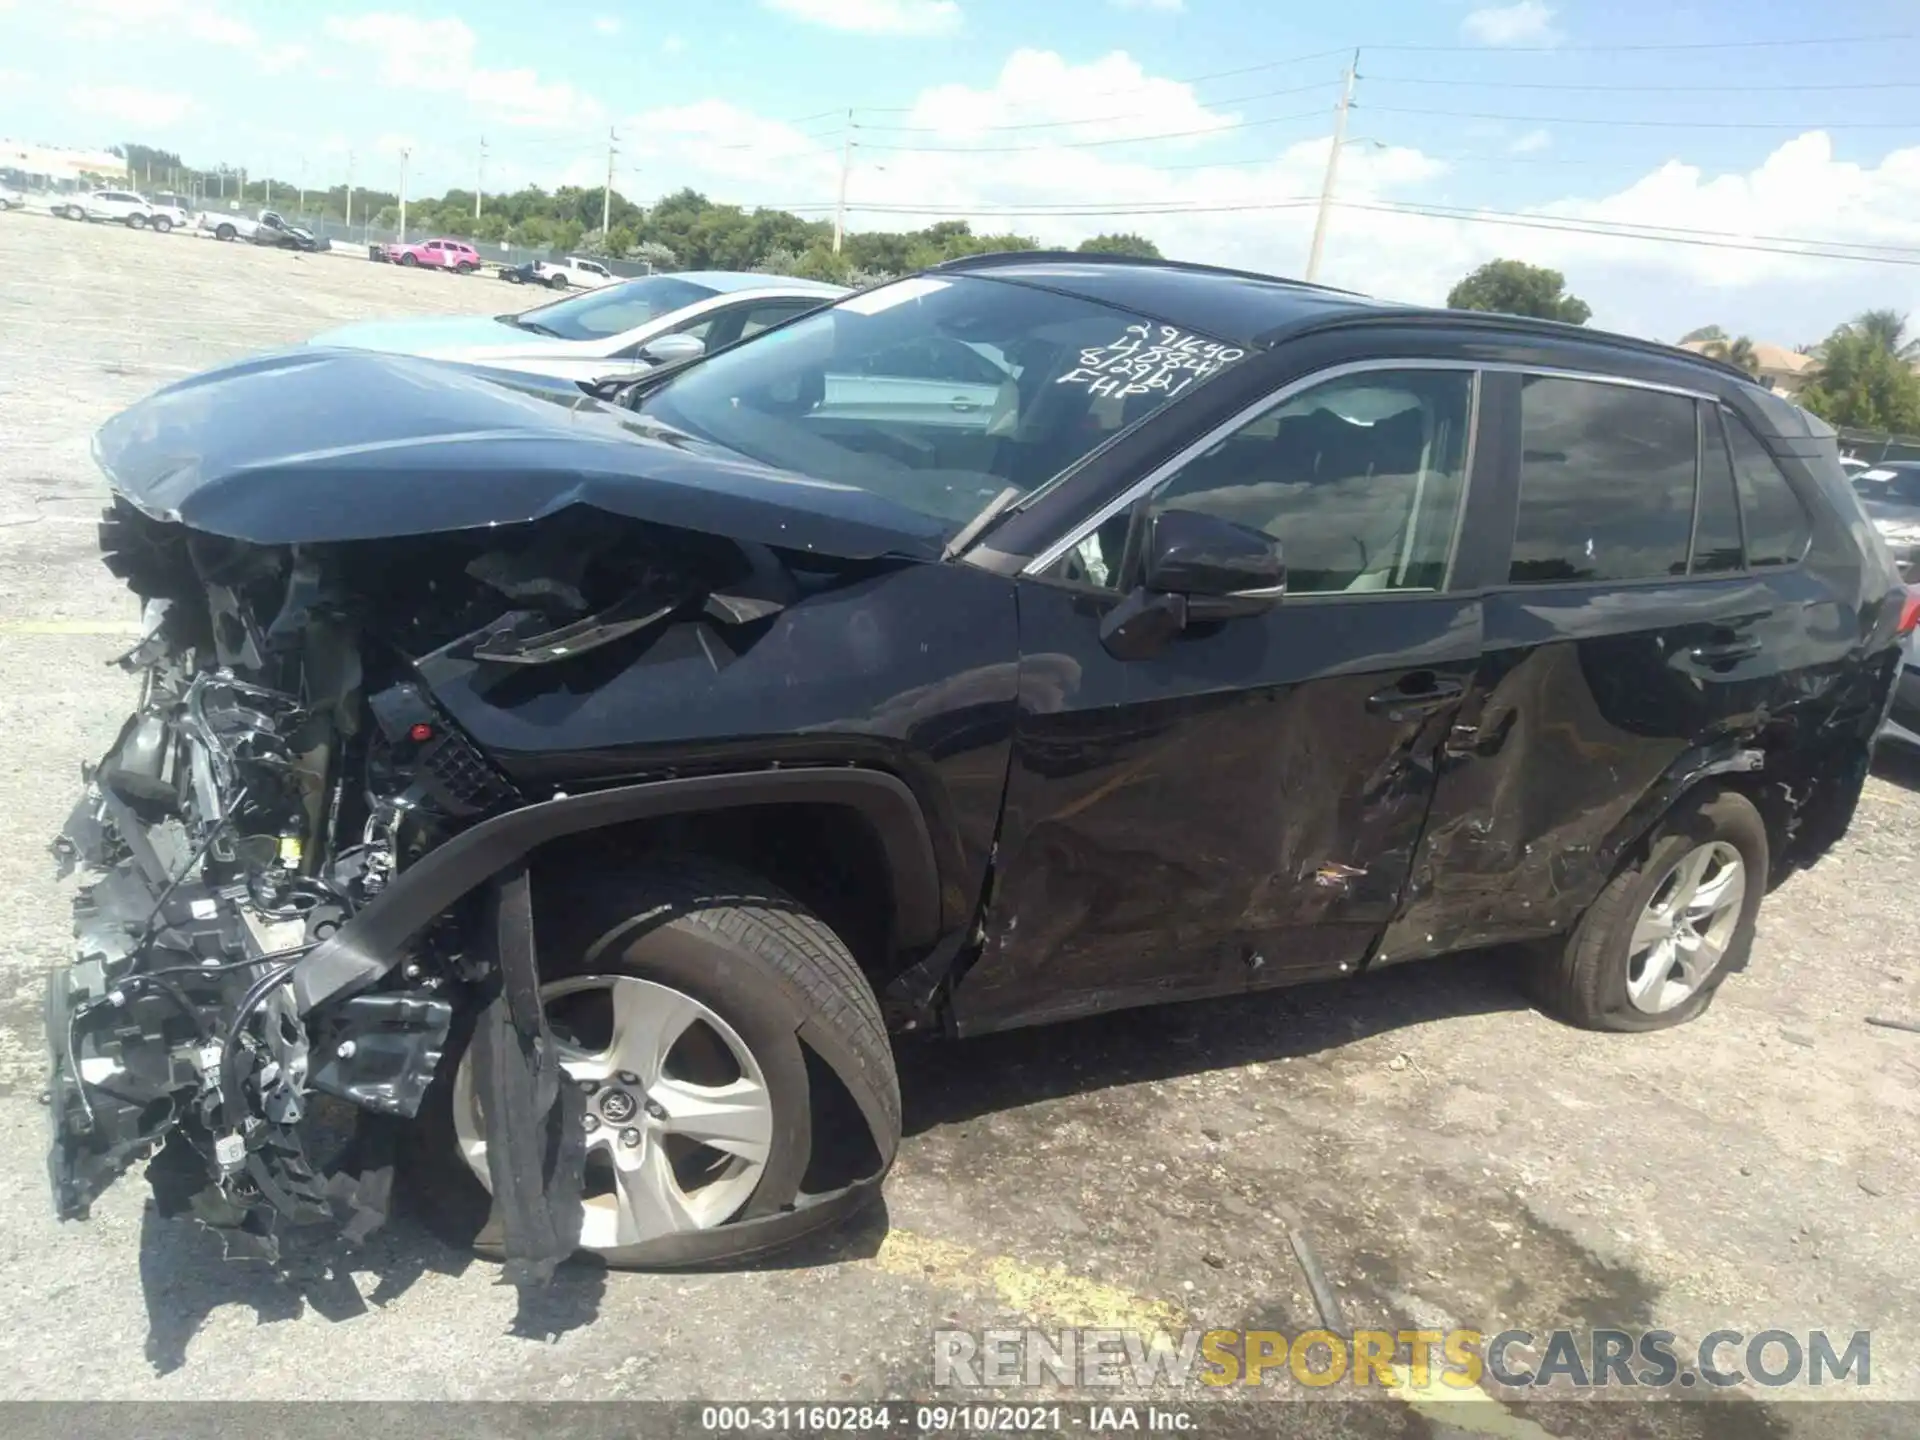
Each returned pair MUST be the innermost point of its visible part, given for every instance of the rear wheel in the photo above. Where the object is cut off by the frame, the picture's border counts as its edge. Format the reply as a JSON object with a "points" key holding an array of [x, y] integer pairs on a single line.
{"points": [[1654, 947], [558, 282], [464, 268], [408, 259], [136, 222], [224, 232], [677, 998]]}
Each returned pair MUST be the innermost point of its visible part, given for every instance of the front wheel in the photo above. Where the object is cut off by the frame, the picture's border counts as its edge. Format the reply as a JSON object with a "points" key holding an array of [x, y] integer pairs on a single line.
{"points": [[677, 997], [162, 224], [1670, 927]]}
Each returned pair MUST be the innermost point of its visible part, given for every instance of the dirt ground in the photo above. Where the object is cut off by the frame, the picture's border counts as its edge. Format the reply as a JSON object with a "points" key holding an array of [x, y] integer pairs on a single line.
{"points": [[1457, 1159]]}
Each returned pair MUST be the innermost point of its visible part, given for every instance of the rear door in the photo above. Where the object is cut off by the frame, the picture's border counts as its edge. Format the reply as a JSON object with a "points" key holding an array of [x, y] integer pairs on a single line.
{"points": [[1241, 808], [1639, 631]]}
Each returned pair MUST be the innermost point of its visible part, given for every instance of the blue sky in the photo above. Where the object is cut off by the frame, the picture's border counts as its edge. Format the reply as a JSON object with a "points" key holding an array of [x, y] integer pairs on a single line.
{"points": [[1001, 108]]}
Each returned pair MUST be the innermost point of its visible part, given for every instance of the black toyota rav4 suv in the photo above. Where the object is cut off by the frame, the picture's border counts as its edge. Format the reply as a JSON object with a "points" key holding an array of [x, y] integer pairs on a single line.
{"points": [[582, 788]]}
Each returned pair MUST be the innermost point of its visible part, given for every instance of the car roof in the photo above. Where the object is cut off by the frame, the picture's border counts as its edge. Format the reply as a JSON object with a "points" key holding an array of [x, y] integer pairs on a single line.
{"points": [[1247, 308], [726, 281]]}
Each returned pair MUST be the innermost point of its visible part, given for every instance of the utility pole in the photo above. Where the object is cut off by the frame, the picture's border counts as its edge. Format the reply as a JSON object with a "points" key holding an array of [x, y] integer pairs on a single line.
{"points": [[606, 195], [269, 190], [1333, 167], [349, 190], [846, 164], [404, 153], [480, 181]]}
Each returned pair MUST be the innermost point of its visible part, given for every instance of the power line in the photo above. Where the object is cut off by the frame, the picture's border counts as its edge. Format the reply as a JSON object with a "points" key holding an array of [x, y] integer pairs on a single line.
{"points": [[1848, 87], [1110, 119], [1644, 48], [1649, 124], [1093, 144]]}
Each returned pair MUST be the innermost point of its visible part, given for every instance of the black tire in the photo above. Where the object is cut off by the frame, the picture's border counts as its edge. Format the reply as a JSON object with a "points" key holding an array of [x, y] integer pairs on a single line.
{"points": [[727, 938], [224, 232], [463, 268], [407, 258], [558, 282], [1583, 980], [136, 222], [163, 225]]}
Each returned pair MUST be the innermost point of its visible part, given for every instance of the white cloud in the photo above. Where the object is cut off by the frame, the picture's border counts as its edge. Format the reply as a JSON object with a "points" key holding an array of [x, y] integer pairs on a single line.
{"points": [[1527, 22], [278, 59], [1170, 7], [607, 24], [131, 104], [1107, 99], [876, 17], [101, 20], [673, 45], [438, 56], [1531, 143]]}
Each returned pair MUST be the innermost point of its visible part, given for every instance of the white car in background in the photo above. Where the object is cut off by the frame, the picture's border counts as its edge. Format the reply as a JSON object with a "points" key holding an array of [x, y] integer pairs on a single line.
{"points": [[121, 205], [167, 211], [575, 271], [616, 332], [11, 199]]}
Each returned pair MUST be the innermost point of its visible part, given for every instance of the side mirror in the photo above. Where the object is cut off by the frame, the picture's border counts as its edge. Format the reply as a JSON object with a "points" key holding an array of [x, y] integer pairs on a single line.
{"points": [[1197, 568], [672, 349]]}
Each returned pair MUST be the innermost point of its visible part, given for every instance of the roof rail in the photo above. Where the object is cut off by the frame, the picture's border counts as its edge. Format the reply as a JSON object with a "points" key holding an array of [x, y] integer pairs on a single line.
{"points": [[1528, 325], [1094, 257]]}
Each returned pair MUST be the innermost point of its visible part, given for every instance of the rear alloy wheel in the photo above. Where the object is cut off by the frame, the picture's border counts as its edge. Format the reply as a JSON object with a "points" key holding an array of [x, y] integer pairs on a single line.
{"points": [[1669, 927], [136, 222], [558, 282], [677, 998]]}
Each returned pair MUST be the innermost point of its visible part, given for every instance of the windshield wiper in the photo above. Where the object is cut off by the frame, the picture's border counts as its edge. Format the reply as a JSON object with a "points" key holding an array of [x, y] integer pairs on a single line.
{"points": [[534, 325], [977, 526]]}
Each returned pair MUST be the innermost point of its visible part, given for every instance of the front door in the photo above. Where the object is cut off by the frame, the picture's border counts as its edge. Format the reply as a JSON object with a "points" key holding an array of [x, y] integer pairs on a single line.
{"points": [[1242, 807]]}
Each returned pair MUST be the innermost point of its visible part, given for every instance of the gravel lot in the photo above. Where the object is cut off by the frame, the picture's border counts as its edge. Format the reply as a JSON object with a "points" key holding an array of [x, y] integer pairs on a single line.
{"points": [[1456, 1157]]}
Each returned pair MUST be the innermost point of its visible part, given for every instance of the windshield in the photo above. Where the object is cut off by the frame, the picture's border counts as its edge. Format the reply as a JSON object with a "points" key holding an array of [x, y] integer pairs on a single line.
{"points": [[939, 393], [615, 309]]}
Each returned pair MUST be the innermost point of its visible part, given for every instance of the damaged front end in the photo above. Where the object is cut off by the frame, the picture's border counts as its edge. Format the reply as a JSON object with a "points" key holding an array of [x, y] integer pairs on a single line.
{"points": [[285, 764]]}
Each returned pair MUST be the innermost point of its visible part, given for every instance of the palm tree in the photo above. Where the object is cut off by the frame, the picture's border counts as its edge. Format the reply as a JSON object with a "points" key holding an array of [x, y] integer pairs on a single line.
{"points": [[1887, 330], [1705, 332], [1738, 351]]}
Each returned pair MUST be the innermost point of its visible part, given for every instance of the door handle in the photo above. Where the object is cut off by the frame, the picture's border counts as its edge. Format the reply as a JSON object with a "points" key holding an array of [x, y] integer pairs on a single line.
{"points": [[1420, 693], [961, 402]]}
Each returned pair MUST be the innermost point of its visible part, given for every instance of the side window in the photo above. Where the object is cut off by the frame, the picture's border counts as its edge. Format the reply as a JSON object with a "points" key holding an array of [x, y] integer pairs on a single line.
{"points": [[1778, 530], [1606, 482], [765, 317], [1716, 530], [1360, 479]]}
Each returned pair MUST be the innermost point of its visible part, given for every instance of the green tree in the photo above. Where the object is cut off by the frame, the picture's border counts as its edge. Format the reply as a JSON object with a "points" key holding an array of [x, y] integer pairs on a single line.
{"points": [[1737, 351], [1864, 381], [1886, 330], [491, 227], [1123, 243], [660, 257], [1705, 332], [1513, 287]]}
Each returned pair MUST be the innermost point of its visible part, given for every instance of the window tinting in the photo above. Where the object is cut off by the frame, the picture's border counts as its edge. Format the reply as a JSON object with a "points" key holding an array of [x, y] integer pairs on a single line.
{"points": [[1359, 479], [1716, 534], [1606, 483], [1778, 530]]}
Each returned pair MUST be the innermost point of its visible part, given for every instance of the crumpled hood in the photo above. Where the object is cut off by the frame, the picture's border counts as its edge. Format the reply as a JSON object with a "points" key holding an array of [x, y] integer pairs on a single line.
{"points": [[442, 335], [309, 446]]}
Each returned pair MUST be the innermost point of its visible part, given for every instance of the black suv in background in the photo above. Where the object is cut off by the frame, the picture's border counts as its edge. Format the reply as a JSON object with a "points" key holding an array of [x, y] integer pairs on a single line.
{"points": [[596, 784]]}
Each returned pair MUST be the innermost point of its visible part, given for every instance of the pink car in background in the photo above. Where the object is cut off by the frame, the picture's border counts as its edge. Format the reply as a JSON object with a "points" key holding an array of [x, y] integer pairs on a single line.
{"points": [[455, 255]]}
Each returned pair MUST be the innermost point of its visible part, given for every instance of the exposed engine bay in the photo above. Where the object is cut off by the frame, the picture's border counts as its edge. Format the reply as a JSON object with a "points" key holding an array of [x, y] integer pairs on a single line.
{"points": [[284, 764]]}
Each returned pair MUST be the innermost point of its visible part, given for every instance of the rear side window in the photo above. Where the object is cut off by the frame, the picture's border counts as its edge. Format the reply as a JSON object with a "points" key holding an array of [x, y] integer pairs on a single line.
{"points": [[1778, 529], [1716, 533], [1606, 483]]}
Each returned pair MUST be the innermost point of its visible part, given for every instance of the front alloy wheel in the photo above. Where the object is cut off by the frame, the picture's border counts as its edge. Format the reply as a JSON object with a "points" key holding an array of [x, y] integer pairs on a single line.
{"points": [[679, 1118]]}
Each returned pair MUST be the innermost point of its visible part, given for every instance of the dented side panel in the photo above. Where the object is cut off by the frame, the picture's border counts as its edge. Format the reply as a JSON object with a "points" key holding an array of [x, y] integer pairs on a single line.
{"points": [[1240, 810]]}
